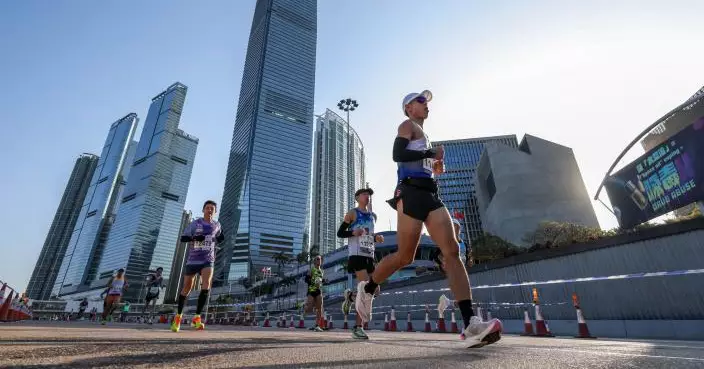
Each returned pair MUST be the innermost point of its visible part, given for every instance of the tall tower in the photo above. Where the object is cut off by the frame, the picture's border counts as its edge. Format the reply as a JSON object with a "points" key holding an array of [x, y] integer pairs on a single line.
{"points": [[267, 186], [59, 235]]}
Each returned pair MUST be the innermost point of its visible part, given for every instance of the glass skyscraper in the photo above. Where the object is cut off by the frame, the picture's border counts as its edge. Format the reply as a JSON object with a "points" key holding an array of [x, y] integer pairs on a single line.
{"points": [[456, 185], [99, 206], [337, 149], [57, 240], [151, 206], [266, 198]]}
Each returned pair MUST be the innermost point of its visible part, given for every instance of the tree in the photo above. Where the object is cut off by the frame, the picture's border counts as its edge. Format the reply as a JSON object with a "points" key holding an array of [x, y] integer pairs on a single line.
{"points": [[281, 259], [302, 258], [314, 251], [556, 234], [489, 247]]}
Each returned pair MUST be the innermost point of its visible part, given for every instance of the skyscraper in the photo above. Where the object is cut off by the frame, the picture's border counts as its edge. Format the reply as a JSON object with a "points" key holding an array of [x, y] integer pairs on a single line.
{"points": [[57, 240], [456, 185], [99, 207], [151, 207], [337, 174], [267, 186]]}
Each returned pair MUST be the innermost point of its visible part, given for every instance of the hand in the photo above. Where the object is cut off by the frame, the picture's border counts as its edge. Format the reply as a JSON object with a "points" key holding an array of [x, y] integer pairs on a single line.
{"points": [[379, 238], [358, 232], [438, 167], [439, 153], [199, 238]]}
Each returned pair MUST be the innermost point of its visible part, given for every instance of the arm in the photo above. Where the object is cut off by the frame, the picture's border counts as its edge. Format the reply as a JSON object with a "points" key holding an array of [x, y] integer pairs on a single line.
{"points": [[187, 235], [402, 154], [343, 231], [220, 236]]}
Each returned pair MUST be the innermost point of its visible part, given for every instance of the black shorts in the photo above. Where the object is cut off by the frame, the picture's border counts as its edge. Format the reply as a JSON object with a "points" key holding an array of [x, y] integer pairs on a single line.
{"points": [[196, 268], [315, 293], [419, 195], [151, 297], [356, 263]]}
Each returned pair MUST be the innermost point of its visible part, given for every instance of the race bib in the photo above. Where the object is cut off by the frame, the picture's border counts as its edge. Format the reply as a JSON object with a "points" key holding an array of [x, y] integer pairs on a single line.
{"points": [[366, 244], [206, 244], [428, 164]]}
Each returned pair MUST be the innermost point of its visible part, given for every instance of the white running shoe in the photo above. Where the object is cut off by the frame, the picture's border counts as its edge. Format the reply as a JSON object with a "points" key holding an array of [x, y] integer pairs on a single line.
{"points": [[479, 333], [444, 303], [363, 302]]}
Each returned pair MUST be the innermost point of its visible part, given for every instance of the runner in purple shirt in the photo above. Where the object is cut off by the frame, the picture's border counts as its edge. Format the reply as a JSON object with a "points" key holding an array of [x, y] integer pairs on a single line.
{"points": [[201, 235]]}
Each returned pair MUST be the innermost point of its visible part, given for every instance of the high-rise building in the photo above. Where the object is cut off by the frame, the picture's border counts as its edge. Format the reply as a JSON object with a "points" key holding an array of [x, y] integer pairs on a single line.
{"points": [[456, 185], [338, 171], [518, 188], [57, 240], [99, 208], [151, 207], [266, 198], [174, 285]]}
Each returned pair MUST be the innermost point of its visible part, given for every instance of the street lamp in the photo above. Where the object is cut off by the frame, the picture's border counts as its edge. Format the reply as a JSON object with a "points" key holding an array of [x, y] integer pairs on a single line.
{"points": [[347, 105]]}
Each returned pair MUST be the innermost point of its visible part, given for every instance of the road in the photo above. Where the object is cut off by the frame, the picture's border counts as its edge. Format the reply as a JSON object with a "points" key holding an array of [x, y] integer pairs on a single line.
{"points": [[87, 345]]}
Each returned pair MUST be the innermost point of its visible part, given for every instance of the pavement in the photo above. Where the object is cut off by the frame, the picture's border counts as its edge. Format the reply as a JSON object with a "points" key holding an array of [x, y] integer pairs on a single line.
{"points": [[87, 345]]}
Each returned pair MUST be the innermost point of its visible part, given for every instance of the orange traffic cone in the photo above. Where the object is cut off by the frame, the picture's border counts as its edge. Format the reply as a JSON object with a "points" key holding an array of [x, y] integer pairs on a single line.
{"points": [[392, 322], [325, 319], [267, 324], [427, 323], [541, 326], [454, 322], [527, 324], [409, 324], [581, 323], [386, 322]]}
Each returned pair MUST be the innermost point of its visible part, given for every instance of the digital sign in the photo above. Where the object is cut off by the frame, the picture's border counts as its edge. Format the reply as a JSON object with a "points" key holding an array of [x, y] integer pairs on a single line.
{"points": [[669, 176]]}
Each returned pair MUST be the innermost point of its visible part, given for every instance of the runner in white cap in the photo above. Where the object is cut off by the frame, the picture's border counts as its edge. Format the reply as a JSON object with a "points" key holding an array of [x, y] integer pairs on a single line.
{"points": [[416, 202]]}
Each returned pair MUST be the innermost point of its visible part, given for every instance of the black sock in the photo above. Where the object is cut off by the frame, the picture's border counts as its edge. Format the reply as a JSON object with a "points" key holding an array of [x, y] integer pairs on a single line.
{"points": [[202, 299], [181, 302], [466, 311], [371, 286]]}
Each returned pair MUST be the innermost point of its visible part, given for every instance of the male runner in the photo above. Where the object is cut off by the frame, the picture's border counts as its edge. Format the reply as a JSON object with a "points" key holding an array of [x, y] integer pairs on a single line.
{"points": [[358, 228], [115, 287], [314, 297], [464, 255], [202, 235], [82, 308], [416, 202], [154, 285]]}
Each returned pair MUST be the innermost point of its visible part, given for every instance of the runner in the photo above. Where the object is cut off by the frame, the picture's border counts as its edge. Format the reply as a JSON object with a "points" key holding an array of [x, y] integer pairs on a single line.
{"points": [[154, 286], [202, 235], [358, 228], [464, 254], [125, 311], [82, 308], [416, 202], [116, 286], [314, 298]]}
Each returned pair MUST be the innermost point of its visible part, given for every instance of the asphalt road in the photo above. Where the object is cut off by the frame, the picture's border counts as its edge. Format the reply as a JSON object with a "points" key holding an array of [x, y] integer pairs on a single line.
{"points": [[86, 345]]}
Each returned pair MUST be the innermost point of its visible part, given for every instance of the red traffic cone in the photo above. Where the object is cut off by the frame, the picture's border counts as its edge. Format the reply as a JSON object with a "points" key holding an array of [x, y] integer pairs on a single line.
{"points": [[392, 322], [330, 322], [325, 319], [267, 324], [541, 326], [527, 324], [409, 324], [301, 322], [427, 323], [345, 325], [386, 322], [453, 325], [582, 324], [441, 324]]}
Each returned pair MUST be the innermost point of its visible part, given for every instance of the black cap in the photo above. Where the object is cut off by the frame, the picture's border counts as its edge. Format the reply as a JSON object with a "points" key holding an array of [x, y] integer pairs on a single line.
{"points": [[121, 270], [363, 190]]}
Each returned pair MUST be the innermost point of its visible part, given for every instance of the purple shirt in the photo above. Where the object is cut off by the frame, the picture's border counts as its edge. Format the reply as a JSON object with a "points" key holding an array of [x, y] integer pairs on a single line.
{"points": [[202, 252]]}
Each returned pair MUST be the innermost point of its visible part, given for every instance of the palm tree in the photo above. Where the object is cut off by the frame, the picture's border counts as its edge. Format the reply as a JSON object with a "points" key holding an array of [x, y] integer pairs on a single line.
{"points": [[281, 259]]}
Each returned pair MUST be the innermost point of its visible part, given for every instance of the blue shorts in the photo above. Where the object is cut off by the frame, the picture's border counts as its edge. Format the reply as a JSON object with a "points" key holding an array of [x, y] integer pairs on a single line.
{"points": [[192, 269]]}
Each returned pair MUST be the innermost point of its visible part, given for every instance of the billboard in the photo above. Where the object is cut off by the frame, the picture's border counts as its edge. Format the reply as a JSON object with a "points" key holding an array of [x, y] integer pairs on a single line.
{"points": [[667, 177]]}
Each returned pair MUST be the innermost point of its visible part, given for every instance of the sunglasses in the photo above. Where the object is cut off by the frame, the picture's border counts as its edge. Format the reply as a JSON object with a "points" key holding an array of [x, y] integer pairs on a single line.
{"points": [[421, 99]]}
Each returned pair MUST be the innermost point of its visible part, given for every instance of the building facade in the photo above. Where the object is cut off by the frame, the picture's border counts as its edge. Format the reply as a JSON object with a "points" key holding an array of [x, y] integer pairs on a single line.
{"points": [[456, 185], [99, 208], [518, 188], [57, 239], [338, 171], [266, 198], [147, 225], [175, 285]]}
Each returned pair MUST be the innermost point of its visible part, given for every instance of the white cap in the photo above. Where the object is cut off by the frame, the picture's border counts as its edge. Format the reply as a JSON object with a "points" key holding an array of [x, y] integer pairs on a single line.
{"points": [[412, 96]]}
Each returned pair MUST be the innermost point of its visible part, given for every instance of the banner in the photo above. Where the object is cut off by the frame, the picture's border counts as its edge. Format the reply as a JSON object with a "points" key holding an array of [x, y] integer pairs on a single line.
{"points": [[668, 177]]}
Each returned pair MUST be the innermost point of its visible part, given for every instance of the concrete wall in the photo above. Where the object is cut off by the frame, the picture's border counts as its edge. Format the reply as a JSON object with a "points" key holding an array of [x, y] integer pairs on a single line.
{"points": [[542, 183]]}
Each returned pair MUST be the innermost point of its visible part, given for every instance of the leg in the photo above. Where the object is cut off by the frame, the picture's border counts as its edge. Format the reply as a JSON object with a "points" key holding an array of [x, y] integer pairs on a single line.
{"points": [[408, 236], [308, 308], [362, 276], [319, 313], [206, 276], [187, 287]]}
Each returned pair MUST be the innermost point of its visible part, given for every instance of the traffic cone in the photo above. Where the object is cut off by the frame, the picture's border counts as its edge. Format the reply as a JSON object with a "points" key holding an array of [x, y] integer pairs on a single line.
{"points": [[427, 323], [330, 324], [392, 322], [292, 325], [345, 325], [582, 325], [386, 322], [301, 322], [325, 319], [527, 325], [267, 324], [409, 324], [454, 322], [441, 324], [541, 326], [5, 308]]}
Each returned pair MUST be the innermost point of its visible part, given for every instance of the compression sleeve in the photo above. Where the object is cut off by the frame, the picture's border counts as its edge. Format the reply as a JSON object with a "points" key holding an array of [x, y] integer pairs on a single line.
{"points": [[185, 238], [402, 154], [343, 232], [220, 237]]}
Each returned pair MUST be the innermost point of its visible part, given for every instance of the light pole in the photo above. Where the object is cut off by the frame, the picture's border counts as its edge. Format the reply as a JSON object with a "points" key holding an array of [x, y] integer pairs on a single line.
{"points": [[347, 105]]}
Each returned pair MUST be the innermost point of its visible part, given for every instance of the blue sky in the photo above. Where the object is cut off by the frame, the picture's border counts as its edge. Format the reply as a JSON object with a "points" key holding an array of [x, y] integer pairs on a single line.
{"points": [[589, 75]]}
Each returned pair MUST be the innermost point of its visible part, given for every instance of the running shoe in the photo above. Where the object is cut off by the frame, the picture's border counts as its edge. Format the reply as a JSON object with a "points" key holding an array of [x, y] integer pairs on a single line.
{"points": [[348, 302], [363, 302], [317, 329], [480, 333], [358, 333], [176, 324], [197, 323], [444, 303]]}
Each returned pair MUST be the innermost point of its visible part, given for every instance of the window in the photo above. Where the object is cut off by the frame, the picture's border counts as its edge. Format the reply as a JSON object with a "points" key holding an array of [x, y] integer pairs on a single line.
{"points": [[101, 180], [179, 160], [169, 196], [128, 197], [91, 213], [139, 161]]}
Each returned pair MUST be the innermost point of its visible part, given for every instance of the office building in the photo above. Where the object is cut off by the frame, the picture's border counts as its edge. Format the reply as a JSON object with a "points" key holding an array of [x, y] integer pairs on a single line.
{"points": [[518, 188], [456, 185], [175, 284], [146, 228], [99, 208], [266, 198], [57, 239], [338, 171]]}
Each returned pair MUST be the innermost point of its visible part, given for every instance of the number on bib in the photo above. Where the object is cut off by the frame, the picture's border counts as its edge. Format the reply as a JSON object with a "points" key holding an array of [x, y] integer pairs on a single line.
{"points": [[428, 164]]}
